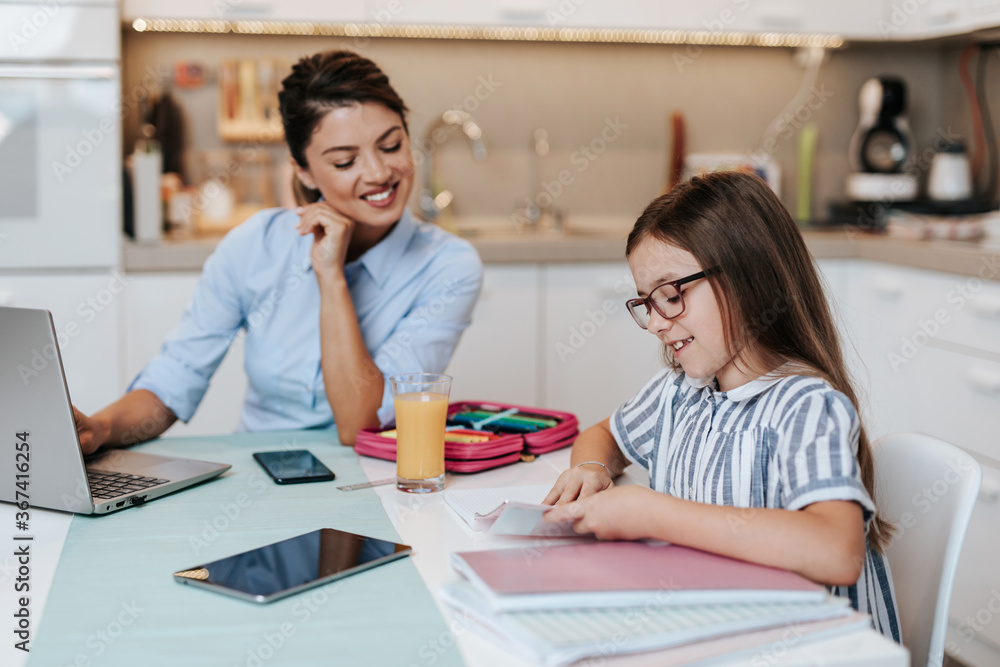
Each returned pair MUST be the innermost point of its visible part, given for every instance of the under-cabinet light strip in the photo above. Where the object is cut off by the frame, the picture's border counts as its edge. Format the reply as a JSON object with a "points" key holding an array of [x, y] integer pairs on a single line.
{"points": [[510, 34]]}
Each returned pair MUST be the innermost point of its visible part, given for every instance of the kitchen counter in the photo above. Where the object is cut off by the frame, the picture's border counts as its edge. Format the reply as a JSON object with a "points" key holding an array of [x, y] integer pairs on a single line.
{"points": [[587, 245]]}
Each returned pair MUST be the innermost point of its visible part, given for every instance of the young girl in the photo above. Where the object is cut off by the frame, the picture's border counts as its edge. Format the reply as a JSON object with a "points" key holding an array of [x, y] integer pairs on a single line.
{"points": [[751, 435]]}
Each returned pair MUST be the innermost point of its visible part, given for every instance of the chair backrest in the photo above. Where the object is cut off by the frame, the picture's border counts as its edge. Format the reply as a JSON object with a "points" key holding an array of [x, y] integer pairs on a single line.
{"points": [[927, 488]]}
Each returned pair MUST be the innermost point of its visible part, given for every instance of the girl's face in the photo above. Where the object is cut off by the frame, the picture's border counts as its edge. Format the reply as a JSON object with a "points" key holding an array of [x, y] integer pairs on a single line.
{"points": [[359, 159], [696, 337]]}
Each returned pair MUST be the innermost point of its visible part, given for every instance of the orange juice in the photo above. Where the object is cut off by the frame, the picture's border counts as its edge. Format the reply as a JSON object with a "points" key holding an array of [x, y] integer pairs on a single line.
{"points": [[420, 422]]}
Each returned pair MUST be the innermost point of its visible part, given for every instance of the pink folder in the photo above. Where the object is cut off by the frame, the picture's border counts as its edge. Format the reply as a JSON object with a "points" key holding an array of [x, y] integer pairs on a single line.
{"points": [[624, 574]]}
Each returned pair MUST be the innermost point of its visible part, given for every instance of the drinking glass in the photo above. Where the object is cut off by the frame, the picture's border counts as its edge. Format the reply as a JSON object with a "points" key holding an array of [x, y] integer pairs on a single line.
{"points": [[421, 401]]}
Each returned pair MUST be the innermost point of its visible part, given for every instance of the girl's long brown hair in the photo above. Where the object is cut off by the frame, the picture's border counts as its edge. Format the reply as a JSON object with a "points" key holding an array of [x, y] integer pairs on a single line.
{"points": [[773, 304]]}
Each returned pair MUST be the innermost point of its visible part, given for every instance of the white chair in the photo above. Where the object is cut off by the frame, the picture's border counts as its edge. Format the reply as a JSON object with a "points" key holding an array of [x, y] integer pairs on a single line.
{"points": [[927, 488]]}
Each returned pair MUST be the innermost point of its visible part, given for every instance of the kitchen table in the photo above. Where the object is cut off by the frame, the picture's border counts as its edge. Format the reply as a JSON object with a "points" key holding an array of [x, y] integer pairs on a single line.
{"points": [[101, 590]]}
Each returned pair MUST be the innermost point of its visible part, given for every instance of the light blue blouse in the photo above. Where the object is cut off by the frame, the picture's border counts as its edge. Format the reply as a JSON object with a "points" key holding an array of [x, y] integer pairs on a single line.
{"points": [[413, 294]]}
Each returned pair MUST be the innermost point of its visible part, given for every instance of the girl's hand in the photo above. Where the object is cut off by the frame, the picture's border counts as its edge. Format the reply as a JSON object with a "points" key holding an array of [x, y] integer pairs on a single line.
{"points": [[331, 232], [580, 482], [622, 513], [93, 432]]}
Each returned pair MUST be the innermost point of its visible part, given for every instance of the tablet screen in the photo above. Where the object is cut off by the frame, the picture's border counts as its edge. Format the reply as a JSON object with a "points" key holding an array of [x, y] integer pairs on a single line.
{"points": [[276, 570]]}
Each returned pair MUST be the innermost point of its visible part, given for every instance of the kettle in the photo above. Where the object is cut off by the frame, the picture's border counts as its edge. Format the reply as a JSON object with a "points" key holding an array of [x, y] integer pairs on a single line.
{"points": [[950, 178]]}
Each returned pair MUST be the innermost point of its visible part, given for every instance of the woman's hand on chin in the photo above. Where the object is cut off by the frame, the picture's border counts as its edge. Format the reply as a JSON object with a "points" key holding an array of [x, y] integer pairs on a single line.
{"points": [[331, 232]]}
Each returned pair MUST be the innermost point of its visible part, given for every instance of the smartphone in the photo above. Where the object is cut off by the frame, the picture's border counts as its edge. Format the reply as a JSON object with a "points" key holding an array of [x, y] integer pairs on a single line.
{"points": [[284, 568], [294, 466]]}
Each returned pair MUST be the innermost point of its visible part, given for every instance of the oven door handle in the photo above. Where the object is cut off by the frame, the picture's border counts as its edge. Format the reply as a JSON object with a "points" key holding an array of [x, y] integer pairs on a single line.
{"points": [[56, 72]]}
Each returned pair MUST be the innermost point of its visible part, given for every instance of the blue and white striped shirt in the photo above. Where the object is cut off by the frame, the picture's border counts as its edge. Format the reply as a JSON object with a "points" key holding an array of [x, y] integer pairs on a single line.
{"points": [[776, 442]]}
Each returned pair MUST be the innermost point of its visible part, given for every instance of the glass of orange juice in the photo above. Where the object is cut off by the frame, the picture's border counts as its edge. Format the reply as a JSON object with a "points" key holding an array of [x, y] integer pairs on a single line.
{"points": [[421, 401]]}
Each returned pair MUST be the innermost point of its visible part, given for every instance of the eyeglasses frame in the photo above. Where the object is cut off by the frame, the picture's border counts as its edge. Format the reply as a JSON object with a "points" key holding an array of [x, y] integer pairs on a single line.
{"points": [[648, 301]]}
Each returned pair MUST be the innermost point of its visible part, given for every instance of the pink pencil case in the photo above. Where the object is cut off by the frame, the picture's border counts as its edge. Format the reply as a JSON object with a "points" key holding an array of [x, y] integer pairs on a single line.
{"points": [[477, 456]]}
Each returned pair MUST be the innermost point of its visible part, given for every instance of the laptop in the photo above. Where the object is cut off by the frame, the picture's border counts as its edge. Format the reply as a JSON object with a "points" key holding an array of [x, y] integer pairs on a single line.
{"points": [[35, 409]]}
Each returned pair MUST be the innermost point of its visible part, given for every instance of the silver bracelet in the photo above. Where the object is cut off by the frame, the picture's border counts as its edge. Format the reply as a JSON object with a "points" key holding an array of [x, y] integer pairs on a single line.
{"points": [[598, 463]]}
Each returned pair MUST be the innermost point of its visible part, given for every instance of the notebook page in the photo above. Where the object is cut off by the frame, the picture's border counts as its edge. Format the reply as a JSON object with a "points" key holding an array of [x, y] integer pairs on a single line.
{"points": [[469, 502], [556, 637]]}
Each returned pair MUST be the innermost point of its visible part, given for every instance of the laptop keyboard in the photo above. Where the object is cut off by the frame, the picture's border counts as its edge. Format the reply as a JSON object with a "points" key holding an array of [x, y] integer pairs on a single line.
{"points": [[105, 484]]}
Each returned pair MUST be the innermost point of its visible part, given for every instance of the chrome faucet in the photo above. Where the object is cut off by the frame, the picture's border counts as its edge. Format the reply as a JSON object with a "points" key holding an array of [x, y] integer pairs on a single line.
{"points": [[431, 204], [539, 206]]}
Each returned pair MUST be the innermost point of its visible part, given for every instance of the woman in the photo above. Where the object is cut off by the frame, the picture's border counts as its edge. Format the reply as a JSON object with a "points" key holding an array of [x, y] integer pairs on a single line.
{"points": [[333, 297]]}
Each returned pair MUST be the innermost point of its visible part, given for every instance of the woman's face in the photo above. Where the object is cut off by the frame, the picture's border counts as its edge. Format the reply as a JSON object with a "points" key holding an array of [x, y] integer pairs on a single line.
{"points": [[699, 330], [359, 158]]}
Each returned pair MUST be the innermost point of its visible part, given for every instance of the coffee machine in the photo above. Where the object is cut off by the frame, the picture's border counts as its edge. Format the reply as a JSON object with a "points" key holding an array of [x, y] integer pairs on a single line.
{"points": [[882, 146]]}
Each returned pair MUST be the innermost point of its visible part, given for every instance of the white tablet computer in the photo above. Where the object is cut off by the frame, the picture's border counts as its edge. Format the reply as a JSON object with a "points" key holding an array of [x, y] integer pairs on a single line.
{"points": [[284, 568]]}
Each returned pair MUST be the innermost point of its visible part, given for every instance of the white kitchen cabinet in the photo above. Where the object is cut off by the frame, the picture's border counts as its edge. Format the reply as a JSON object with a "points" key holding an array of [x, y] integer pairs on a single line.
{"points": [[960, 399], [983, 14], [595, 356], [154, 303], [644, 14], [926, 19], [342, 11], [929, 341], [498, 356], [86, 309], [540, 13], [858, 19], [924, 339], [851, 19]]}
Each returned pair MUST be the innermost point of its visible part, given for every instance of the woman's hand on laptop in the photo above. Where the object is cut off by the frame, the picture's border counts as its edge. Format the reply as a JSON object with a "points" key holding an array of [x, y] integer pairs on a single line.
{"points": [[93, 432]]}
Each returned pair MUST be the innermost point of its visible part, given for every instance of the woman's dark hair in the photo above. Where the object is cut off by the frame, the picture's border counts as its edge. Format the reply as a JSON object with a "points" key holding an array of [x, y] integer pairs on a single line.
{"points": [[767, 285], [321, 82]]}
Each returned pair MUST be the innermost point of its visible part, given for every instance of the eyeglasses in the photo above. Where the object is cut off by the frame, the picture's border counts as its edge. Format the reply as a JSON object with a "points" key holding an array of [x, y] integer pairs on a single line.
{"points": [[666, 299]]}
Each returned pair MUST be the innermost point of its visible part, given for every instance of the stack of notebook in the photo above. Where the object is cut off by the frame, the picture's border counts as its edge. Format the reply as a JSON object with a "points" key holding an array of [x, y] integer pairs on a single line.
{"points": [[556, 603]]}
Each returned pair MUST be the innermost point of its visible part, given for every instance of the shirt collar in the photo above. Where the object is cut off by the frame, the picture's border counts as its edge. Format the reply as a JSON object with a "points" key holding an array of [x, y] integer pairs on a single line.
{"points": [[741, 393], [380, 259]]}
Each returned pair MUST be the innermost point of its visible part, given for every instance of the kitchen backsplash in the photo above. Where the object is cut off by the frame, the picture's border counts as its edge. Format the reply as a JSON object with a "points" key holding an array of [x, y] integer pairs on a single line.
{"points": [[606, 108]]}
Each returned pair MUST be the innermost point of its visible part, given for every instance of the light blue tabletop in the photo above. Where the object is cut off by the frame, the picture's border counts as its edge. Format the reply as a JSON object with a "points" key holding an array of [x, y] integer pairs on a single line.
{"points": [[114, 602]]}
